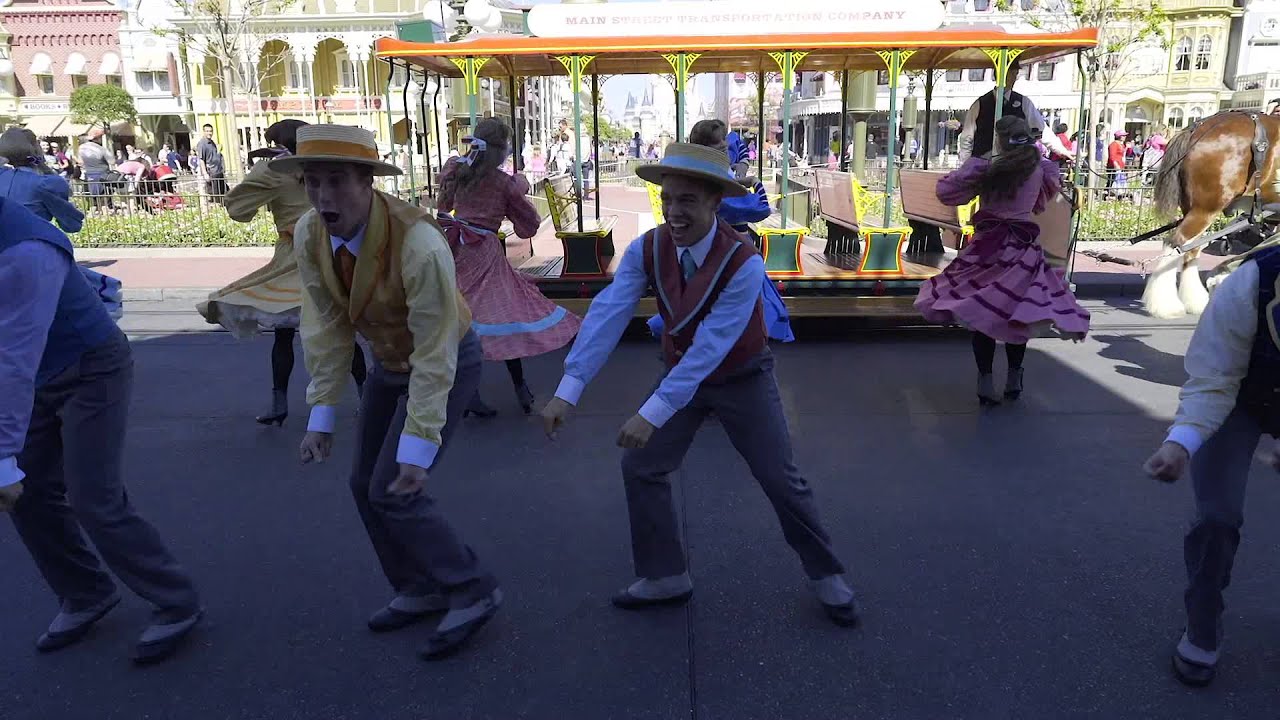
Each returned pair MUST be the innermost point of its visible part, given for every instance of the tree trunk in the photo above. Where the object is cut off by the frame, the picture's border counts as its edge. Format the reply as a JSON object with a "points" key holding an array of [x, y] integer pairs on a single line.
{"points": [[233, 130]]}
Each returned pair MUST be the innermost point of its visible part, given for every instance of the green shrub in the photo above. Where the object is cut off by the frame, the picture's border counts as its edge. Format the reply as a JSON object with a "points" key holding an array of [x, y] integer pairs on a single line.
{"points": [[191, 226]]}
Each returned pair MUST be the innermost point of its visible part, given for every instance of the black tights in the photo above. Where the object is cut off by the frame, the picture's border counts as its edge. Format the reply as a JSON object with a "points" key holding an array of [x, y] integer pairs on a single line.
{"points": [[516, 369], [984, 352], [282, 360]]}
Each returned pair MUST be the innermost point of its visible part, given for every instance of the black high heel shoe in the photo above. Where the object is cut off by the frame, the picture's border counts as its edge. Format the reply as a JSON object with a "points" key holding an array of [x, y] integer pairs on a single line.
{"points": [[987, 391], [525, 396], [1013, 386], [479, 409], [279, 410]]}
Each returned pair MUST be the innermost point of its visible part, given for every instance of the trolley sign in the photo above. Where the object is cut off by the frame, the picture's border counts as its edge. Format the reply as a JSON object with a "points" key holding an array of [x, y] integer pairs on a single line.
{"points": [[753, 17]]}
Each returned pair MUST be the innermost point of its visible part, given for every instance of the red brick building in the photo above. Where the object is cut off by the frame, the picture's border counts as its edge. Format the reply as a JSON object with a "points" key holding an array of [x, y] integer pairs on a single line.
{"points": [[55, 46]]}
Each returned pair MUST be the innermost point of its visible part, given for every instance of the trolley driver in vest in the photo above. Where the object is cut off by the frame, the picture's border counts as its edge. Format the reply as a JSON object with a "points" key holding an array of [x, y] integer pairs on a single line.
{"points": [[707, 279], [977, 134], [1231, 398]]}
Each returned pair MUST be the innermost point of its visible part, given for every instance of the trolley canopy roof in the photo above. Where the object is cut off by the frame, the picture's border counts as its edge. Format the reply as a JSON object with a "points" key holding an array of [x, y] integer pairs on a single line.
{"points": [[945, 49]]}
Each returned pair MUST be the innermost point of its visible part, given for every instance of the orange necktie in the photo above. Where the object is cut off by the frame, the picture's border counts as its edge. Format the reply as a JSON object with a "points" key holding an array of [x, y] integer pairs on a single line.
{"points": [[344, 263]]}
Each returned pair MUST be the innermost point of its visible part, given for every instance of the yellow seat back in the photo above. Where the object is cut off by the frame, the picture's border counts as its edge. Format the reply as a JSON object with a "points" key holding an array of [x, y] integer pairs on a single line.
{"points": [[655, 201]]}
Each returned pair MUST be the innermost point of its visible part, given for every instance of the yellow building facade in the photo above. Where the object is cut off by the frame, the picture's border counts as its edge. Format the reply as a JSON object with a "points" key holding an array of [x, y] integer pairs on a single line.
{"points": [[1156, 86]]}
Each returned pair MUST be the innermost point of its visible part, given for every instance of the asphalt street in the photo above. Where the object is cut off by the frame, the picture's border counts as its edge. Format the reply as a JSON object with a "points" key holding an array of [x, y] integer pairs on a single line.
{"points": [[1012, 562]]}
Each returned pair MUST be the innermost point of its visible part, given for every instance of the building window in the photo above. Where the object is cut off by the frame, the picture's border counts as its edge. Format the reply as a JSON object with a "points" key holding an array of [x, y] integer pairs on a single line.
{"points": [[981, 5], [1182, 54], [45, 83], [298, 75], [1204, 52], [882, 77], [149, 81], [954, 75], [1025, 72], [78, 81], [346, 71], [1045, 70], [1028, 4], [115, 80], [1196, 114], [977, 74], [399, 76]]}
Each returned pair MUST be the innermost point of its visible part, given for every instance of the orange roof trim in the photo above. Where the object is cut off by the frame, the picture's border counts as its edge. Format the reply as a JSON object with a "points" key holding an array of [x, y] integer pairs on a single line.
{"points": [[534, 56]]}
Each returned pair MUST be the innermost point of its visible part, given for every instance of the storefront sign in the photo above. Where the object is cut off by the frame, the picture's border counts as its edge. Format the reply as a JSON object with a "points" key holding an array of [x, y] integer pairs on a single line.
{"points": [[751, 17], [41, 107]]}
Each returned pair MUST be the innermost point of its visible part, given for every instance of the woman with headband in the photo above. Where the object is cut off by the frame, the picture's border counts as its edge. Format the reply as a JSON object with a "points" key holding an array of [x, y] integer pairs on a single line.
{"points": [[512, 317], [1000, 286]]}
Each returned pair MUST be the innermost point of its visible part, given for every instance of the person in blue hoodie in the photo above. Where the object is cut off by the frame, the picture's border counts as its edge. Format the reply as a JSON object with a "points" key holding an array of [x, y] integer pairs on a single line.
{"points": [[739, 212], [66, 374]]}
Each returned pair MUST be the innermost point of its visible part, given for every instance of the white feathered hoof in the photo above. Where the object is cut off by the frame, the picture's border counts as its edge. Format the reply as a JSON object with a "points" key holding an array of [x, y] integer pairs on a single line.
{"points": [[1192, 292], [1160, 298]]}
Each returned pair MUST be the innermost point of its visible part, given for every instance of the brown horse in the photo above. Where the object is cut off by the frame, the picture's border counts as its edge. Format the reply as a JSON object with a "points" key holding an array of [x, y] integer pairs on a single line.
{"points": [[1208, 169]]}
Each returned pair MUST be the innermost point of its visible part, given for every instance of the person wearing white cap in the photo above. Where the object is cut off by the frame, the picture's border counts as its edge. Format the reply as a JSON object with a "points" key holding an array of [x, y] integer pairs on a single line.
{"points": [[373, 264], [707, 279]]}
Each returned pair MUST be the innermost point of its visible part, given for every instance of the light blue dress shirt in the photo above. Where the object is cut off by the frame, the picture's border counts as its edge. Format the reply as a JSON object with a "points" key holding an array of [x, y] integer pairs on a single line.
{"points": [[613, 308], [48, 196], [31, 277]]}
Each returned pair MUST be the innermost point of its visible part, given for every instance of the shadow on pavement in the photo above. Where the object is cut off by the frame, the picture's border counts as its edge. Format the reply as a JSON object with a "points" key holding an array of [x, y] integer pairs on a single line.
{"points": [[1012, 563]]}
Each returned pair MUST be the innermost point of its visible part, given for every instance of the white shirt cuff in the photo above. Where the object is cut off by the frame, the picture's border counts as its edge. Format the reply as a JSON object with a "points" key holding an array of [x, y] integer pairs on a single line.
{"points": [[656, 411], [570, 389], [323, 418], [414, 450], [1186, 436], [10, 473]]}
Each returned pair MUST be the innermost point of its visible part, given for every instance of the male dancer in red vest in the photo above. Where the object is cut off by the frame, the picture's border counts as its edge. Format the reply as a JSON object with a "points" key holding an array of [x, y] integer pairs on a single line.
{"points": [[707, 279]]}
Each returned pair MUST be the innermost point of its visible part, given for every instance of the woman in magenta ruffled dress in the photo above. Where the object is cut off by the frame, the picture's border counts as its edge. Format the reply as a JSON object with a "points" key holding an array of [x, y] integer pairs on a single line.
{"points": [[1000, 286], [512, 317]]}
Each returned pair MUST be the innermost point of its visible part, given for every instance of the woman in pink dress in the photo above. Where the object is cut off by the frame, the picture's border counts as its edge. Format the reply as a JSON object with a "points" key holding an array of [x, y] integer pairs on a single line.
{"points": [[1000, 286], [513, 319]]}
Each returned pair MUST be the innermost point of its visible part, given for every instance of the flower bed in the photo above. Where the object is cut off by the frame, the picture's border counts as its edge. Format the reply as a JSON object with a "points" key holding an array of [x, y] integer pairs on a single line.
{"points": [[190, 226]]}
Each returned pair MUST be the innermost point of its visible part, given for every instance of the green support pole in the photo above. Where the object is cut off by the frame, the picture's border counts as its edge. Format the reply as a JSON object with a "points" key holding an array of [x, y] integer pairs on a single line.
{"points": [[1001, 58], [894, 60], [575, 64], [681, 62], [595, 137], [844, 121], [787, 61], [760, 125], [470, 67]]}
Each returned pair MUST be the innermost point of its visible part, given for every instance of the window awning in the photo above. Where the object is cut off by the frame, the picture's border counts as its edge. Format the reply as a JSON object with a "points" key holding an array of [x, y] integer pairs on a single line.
{"points": [[151, 60], [75, 64], [110, 64], [41, 64], [54, 126]]}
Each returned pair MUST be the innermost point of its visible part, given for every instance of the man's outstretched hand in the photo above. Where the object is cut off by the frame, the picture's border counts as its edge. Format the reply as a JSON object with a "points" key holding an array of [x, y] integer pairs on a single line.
{"points": [[1168, 463], [316, 447], [554, 416], [410, 481]]}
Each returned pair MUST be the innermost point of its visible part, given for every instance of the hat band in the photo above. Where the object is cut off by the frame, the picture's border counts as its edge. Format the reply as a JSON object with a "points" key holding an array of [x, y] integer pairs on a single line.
{"points": [[684, 162], [355, 151]]}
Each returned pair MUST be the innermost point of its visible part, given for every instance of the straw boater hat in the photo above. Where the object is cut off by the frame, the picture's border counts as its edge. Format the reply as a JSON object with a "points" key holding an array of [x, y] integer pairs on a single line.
{"points": [[337, 144], [695, 161]]}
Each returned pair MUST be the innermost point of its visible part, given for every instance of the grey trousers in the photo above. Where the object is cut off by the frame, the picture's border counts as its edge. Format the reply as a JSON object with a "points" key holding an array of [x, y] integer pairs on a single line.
{"points": [[73, 458], [750, 409], [1219, 473], [419, 550]]}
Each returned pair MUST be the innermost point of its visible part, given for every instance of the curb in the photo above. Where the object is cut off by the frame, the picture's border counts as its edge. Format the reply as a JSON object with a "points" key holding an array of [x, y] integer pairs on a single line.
{"points": [[189, 294], [1084, 291]]}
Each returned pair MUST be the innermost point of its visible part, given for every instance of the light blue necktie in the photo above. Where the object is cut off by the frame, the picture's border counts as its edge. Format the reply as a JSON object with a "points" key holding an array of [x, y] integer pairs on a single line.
{"points": [[687, 264]]}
